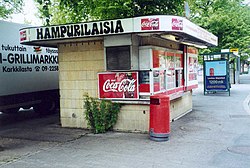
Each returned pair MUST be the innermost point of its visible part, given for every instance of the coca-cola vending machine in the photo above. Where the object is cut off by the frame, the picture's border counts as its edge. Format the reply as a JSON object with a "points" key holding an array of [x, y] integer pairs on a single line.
{"points": [[163, 70]]}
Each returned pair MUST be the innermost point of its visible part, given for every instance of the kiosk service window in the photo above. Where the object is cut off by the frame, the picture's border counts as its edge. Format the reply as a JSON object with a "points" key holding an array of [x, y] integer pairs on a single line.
{"points": [[164, 69], [160, 70]]}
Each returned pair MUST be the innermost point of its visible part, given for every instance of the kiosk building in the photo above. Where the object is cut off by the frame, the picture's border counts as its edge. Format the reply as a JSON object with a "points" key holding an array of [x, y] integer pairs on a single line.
{"points": [[127, 61]]}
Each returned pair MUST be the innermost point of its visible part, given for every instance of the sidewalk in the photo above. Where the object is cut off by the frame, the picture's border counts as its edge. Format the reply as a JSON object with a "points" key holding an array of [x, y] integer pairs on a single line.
{"points": [[215, 135]]}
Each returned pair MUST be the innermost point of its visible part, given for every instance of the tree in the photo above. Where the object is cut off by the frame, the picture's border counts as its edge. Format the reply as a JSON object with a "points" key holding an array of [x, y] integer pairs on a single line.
{"points": [[113, 9], [43, 7], [65, 11], [228, 19], [8, 7]]}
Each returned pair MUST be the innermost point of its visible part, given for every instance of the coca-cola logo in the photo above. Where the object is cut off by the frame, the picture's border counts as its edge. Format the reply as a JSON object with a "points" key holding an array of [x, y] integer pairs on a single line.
{"points": [[23, 36], [118, 85], [126, 85], [177, 24], [150, 24]]}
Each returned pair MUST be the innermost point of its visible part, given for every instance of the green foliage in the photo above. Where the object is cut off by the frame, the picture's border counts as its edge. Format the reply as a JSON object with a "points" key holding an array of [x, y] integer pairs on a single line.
{"points": [[101, 115], [8, 7], [72, 11], [113, 9], [44, 7], [228, 19]]}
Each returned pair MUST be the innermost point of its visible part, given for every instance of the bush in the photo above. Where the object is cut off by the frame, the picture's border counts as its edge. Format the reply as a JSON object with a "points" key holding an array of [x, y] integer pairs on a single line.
{"points": [[101, 115]]}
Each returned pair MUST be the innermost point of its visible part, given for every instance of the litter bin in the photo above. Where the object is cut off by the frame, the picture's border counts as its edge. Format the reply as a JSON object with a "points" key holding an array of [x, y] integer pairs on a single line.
{"points": [[159, 126]]}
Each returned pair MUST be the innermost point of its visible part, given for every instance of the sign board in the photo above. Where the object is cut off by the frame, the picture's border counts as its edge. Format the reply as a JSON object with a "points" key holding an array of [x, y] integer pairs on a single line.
{"points": [[32, 68], [234, 50], [216, 76], [77, 30], [216, 83], [144, 24], [118, 85]]}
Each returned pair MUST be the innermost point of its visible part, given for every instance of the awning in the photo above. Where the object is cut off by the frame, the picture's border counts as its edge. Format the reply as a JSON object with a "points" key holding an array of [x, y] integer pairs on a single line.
{"points": [[173, 28]]}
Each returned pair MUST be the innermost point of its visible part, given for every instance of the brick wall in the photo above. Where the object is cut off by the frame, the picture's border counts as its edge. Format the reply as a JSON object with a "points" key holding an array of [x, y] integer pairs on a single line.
{"points": [[133, 118], [136, 117], [79, 64]]}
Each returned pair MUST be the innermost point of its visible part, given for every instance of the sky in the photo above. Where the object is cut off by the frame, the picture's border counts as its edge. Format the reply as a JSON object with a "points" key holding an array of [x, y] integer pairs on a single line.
{"points": [[30, 11], [247, 2], [29, 14]]}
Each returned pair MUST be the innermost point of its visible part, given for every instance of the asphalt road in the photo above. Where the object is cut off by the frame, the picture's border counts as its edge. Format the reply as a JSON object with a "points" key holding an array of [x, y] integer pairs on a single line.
{"points": [[27, 133], [215, 134]]}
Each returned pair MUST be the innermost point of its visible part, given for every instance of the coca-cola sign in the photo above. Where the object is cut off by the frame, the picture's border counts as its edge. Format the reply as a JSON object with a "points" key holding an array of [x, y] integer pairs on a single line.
{"points": [[150, 24], [118, 85], [177, 24], [23, 36]]}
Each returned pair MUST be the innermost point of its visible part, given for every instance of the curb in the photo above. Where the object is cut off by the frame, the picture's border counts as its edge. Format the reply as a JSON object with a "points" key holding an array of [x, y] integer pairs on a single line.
{"points": [[246, 104]]}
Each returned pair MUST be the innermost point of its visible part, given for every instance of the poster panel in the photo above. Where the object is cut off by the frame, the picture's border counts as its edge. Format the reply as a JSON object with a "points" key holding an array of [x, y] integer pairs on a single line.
{"points": [[118, 85], [216, 75], [216, 68], [192, 68]]}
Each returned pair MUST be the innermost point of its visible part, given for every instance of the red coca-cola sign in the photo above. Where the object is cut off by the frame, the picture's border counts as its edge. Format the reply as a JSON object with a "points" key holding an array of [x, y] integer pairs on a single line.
{"points": [[150, 24], [23, 36], [118, 85], [177, 24]]}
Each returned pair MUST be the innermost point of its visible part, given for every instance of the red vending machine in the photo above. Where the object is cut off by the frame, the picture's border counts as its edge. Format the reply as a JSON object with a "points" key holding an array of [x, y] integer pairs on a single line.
{"points": [[161, 71]]}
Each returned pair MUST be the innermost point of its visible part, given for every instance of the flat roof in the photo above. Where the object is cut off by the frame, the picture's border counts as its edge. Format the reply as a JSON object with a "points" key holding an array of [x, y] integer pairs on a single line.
{"points": [[168, 27], [221, 53]]}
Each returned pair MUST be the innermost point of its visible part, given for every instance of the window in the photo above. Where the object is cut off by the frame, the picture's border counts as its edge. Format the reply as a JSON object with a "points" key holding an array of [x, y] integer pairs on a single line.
{"points": [[118, 58]]}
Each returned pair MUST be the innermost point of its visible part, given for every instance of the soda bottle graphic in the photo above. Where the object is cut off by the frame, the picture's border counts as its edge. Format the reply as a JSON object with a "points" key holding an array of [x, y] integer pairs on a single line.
{"points": [[129, 94]]}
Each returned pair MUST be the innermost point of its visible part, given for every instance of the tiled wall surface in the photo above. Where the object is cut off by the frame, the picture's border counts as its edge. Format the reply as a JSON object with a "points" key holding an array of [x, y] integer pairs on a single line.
{"points": [[136, 117], [133, 118], [181, 106], [79, 64]]}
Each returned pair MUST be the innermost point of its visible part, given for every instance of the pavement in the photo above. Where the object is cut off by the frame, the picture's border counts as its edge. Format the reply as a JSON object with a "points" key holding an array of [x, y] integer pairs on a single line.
{"points": [[215, 134]]}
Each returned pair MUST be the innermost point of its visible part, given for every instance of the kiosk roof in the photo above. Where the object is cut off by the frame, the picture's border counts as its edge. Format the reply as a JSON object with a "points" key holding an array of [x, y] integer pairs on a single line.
{"points": [[168, 27]]}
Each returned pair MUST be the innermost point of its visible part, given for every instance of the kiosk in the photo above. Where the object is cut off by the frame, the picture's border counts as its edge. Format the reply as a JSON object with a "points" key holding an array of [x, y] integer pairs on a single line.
{"points": [[127, 61]]}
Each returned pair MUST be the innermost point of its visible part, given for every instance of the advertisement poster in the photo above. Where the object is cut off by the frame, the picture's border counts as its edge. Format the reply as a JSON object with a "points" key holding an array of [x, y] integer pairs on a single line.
{"points": [[192, 67], [216, 75], [216, 68], [118, 85]]}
